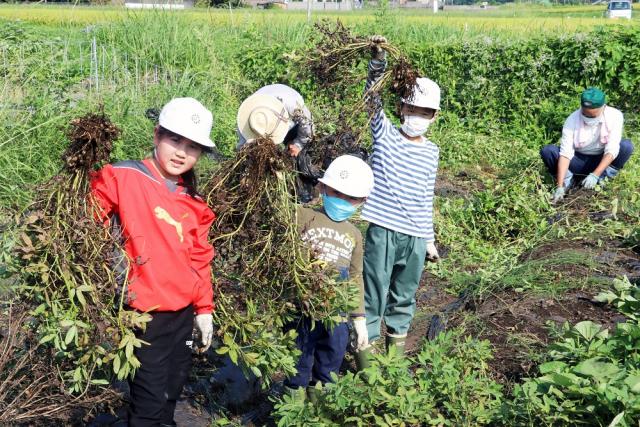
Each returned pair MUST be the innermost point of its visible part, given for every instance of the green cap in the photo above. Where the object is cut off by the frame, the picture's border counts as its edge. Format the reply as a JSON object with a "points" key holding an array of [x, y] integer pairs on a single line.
{"points": [[593, 98]]}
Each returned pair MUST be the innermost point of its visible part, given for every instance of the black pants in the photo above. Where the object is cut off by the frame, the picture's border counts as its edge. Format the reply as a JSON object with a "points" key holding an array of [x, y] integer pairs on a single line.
{"points": [[165, 365]]}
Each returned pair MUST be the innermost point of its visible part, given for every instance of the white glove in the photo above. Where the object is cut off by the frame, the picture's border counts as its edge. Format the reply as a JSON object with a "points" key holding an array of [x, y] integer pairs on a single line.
{"points": [[362, 336], [432, 252], [558, 195], [204, 325], [590, 181], [377, 52]]}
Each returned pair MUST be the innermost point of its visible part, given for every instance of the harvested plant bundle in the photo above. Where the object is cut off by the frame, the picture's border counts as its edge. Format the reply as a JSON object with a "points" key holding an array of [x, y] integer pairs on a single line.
{"points": [[66, 269], [337, 52], [265, 274]]}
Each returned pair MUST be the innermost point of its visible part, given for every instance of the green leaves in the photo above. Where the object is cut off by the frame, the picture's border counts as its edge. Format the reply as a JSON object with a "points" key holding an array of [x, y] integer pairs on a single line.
{"points": [[446, 384], [597, 369], [589, 330], [625, 297], [594, 377]]}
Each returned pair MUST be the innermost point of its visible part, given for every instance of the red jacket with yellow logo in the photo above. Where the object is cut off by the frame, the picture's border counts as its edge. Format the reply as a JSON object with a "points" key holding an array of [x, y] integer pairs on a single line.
{"points": [[164, 231]]}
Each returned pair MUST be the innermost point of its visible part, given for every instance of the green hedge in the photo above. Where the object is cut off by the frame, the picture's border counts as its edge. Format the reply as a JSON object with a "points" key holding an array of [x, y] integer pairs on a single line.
{"points": [[492, 82]]}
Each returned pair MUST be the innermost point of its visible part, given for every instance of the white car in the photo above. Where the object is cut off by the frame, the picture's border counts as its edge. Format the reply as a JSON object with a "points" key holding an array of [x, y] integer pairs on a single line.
{"points": [[619, 9]]}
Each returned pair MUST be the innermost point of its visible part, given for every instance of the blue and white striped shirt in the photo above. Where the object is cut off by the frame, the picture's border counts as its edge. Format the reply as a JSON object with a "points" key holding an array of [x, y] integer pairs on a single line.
{"points": [[404, 178]]}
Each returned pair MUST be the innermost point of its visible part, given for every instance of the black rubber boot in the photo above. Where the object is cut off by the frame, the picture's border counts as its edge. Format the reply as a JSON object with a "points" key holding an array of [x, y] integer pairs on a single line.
{"points": [[363, 358], [298, 394], [398, 342], [313, 394]]}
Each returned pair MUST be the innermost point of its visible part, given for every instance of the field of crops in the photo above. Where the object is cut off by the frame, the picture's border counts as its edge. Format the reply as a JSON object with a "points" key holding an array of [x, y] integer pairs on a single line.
{"points": [[526, 343]]}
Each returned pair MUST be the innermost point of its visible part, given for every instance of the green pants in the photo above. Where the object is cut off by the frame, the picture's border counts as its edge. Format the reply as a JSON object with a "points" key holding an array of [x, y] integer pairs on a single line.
{"points": [[393, 265]]}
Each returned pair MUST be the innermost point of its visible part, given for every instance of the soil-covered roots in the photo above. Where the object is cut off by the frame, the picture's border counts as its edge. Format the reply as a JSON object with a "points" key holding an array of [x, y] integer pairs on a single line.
{"points": [[265, 276], [66, 270], [327, 148], [91, 138], [403, 79]]}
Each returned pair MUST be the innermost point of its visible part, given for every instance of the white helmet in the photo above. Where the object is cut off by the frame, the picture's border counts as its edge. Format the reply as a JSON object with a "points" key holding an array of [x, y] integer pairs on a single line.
{"points": [[188, 118], [426, 94], [349, 175]]}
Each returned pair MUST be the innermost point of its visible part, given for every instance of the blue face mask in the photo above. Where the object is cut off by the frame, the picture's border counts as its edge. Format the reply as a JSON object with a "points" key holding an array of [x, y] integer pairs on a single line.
{"points": [[337, 209]]}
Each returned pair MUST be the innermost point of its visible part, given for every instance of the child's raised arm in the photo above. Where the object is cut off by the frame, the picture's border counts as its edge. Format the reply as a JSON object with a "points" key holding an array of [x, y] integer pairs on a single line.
{"points": [[377, 66]]}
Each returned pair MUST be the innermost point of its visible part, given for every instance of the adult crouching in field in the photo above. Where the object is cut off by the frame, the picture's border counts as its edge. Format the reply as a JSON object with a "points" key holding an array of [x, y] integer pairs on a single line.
{"points": [[591, 148], [399, 209], [164, 225], [295, 131], [345, 185]]}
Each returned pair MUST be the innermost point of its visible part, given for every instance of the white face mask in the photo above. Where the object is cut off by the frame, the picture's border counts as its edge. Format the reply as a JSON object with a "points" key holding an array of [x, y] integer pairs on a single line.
{"points": [[415, 125], [590, 121]]}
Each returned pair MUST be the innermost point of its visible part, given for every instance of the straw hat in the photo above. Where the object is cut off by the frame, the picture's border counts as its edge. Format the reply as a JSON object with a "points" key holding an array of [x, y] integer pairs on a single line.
{"points": [[263, 116]]}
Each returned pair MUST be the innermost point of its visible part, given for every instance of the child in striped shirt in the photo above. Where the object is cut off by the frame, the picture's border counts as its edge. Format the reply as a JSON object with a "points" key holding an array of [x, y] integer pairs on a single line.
{"points": [[400, 207]]}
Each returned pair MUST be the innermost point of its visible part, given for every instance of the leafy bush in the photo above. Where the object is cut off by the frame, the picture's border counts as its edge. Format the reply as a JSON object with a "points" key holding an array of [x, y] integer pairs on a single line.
{"points": [[446, 383], [593, 377]]}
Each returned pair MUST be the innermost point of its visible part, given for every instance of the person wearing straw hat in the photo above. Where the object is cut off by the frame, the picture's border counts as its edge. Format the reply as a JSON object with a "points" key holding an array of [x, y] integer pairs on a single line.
{"points": [[268, 104], [400, 208], [591, 148], [345, 185]]}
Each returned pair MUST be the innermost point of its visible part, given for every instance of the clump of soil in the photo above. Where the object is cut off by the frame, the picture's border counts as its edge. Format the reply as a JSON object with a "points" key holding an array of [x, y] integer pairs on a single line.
{"points": [[334, 62], [336, 52], [345, 140], [235, 193]]}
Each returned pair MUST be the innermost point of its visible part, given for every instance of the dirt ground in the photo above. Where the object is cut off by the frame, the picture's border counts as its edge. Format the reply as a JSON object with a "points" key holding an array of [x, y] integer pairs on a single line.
{"points": [[518, 323]]}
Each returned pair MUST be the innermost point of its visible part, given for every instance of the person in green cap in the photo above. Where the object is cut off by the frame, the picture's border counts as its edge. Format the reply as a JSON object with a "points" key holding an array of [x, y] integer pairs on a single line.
{"points": [[591, 148]]}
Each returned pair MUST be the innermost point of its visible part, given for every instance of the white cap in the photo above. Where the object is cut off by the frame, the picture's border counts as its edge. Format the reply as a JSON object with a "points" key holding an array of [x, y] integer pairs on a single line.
{"points": [[263, 116], [349, 175], [188, 118], [426, 94]]}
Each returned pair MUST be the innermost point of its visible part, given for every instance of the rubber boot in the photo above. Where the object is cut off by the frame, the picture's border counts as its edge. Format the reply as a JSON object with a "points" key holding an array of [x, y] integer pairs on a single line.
{"points": [[313, 394], [298, 394], [397, 341], [363, 358]]}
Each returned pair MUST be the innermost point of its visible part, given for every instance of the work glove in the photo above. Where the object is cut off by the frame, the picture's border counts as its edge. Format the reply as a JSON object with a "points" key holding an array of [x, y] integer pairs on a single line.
{"points": [[377, 52], [361, 339], [558, 195], [204, 326], [432, 252], [590, 181]]}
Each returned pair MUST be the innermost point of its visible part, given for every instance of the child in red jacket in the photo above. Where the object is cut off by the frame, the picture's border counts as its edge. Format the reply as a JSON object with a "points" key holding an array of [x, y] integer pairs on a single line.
{"points": [[164, 225]]}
